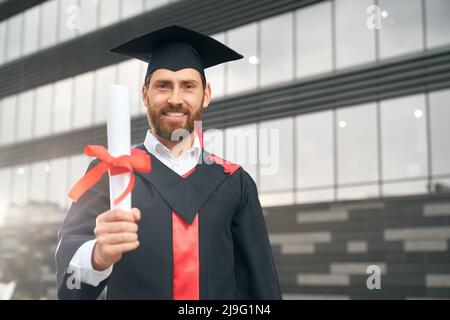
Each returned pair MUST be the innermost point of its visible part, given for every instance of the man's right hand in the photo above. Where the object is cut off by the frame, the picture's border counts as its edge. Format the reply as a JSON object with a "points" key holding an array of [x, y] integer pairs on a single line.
{"points": [[116, 233]]}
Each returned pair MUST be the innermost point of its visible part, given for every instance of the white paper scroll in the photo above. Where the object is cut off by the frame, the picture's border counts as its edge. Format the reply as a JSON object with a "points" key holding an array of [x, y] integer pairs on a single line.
{"points": [[119, 136]]}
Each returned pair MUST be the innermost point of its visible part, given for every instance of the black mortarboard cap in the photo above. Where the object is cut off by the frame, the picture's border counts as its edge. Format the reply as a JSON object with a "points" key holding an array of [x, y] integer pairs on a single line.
{"points": [[175, 48]]}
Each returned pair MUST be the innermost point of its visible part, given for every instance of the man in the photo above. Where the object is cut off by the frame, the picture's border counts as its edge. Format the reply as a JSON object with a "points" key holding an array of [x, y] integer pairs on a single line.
{"points": [[196, 230]]}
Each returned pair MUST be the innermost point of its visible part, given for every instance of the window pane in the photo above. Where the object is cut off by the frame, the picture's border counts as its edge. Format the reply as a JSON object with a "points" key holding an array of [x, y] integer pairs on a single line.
{"points": [[404, 144], [21, 176], [314, 48], [58, 184], [14, 37], [44, 107], [48, 25], [70, 19], [438, 22], [272, 199], [401, 30], [241, 74], [25, 115], [2, 41], [276, 158], [152, 4], [39, 176], [131, 8], [405, 188], [5, 192], [83, 100], [31, 29], [88, 16], [109, 12], [142, 70], [8, 119], [103, 78], [310, 196], [440, 131], [216, 75], [129, 75], [63, 106], [78, 166], [315, 149], [440, 185], [277, 49], [213, 140], [242, 147], [355, 43], [359, 192], [356, 129]]}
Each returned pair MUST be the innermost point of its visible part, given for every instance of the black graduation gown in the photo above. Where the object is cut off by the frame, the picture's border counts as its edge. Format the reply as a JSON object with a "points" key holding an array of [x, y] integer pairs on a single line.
{"points": [[235, 257]]}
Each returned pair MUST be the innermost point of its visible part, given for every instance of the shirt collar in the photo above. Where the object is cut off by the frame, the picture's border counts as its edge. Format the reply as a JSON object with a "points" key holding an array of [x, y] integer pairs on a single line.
{"points": [[155, 147]]}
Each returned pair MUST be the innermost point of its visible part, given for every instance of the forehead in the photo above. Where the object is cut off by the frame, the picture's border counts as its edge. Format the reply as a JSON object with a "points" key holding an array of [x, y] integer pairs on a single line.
{"points": [[179, 75]]}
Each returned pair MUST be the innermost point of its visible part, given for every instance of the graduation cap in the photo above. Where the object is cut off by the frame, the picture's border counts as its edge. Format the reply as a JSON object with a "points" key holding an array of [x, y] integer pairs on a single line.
{"points": [[175, 48]]}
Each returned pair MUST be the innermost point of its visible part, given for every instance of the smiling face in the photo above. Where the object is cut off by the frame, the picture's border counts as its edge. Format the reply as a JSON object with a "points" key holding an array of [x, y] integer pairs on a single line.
{"points": [[174, 100]]}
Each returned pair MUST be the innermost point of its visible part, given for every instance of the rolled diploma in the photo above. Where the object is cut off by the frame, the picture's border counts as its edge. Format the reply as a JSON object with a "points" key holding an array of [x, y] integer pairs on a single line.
{"points": [[119, 136]]}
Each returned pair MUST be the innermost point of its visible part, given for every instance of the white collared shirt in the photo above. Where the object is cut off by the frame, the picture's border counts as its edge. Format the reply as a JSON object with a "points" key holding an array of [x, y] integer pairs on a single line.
{"points": [[187, 160], [182, 164]]}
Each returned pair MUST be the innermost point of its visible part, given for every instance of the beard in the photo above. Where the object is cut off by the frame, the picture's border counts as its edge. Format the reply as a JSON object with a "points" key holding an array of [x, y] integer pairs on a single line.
{"points": [[164, 128]]}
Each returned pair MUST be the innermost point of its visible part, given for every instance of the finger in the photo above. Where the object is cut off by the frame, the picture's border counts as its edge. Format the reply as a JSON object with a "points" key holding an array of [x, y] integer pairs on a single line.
{"points": [[136, 214], [122, 248], [116, 227], [117, 238], [116, 215]]}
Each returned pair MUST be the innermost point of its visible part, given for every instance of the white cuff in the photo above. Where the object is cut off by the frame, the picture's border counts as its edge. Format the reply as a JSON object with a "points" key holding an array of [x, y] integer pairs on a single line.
{"points": [[82, 261]]}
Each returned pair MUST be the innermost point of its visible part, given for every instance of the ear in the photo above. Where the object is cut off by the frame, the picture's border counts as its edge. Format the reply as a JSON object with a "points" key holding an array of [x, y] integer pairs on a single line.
{"points": [[207, 95], [144, 91]]}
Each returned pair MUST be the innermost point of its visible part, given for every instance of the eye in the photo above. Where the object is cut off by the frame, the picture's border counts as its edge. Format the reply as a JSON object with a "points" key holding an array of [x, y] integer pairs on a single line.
{"points": [[162, 85], [189, 86]]}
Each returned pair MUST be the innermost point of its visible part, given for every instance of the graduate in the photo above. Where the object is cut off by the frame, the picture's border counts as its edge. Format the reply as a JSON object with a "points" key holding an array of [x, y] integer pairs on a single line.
{"points": [[196, 230]]}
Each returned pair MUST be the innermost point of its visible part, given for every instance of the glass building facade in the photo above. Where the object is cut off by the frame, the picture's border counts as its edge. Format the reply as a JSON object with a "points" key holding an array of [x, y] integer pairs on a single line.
{"points": [[385, 147]]}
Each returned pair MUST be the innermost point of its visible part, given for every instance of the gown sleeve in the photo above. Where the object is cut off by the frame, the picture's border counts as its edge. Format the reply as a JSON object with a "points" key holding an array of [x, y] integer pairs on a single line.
{"points": [[77, 228], [255, 271]]}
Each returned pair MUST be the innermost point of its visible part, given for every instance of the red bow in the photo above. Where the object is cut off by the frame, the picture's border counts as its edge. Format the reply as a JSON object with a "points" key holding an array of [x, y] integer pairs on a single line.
{"points": [[138, 160]]}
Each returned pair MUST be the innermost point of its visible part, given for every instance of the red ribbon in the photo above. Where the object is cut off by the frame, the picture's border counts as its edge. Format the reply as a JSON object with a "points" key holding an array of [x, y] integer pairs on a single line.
{"points": [[139, 160]]}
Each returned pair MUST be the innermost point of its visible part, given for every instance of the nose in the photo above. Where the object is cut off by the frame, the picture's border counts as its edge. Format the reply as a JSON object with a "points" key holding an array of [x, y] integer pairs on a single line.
{"points": [[175, 97]]}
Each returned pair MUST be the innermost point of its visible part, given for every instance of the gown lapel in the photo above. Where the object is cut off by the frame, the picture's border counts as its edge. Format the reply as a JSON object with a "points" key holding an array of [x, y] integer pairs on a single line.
{"points": [[185, 195]]}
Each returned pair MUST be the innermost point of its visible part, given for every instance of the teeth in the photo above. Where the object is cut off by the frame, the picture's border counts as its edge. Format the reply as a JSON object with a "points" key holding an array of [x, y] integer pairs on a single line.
{"points": [[175, 114]]}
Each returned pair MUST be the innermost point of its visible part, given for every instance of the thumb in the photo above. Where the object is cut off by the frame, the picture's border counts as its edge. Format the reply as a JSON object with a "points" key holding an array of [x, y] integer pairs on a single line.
{"points": [[136, 214]]}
